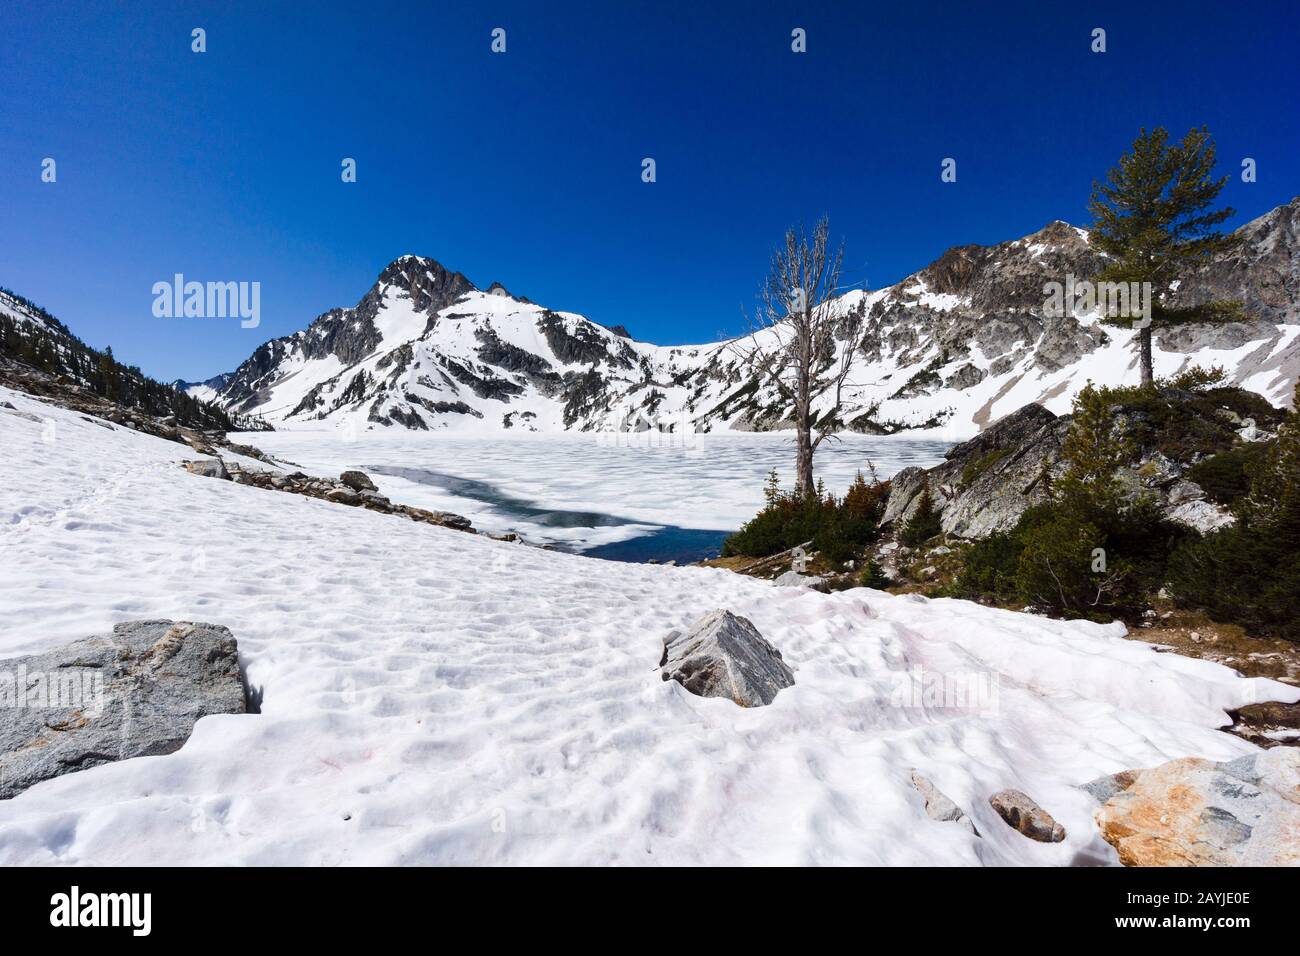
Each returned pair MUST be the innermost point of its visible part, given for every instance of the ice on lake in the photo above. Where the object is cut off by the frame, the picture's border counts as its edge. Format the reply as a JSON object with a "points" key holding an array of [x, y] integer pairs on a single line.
{"points": [[625, 496]]}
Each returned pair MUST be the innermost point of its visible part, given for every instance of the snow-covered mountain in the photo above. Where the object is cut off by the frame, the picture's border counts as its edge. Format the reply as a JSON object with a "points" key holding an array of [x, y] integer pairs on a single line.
{"points": [[206, 390], [956, 345]]}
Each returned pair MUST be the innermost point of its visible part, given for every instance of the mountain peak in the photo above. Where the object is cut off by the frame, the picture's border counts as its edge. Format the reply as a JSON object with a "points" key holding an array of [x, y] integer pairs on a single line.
{"points": [[408, 269]]}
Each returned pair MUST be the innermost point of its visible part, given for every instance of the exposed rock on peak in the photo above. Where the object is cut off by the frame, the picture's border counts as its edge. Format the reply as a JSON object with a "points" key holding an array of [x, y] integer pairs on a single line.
{"points": [[958, 344]]}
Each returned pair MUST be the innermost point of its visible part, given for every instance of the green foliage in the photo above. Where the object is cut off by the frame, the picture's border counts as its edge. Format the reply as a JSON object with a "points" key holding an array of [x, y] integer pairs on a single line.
{"points": [[1093, 448], [989, 571], [59, 352], [1154, 218], [1090, 558], [1181, 418], [1198, 378], [1086, 552], [874, 576], [1250, 573], [839, 528], [1225, 477], [924, 523]]}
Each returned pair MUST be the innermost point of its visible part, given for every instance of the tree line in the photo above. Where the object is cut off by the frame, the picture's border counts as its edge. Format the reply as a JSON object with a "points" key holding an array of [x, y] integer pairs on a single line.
{"points": [[57, 351]]}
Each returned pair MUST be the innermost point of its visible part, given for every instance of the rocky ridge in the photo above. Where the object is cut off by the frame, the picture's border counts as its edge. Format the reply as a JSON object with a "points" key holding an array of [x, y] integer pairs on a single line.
{"points": [[959, 344]]}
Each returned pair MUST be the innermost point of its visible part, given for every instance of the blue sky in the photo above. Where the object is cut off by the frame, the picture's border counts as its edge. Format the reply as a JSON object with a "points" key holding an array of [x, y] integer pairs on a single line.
{"points": [[525, 167]]}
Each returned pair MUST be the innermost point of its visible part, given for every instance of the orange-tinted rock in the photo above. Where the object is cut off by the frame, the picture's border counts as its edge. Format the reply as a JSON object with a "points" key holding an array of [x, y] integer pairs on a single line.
{"points": [[1194, 812]]}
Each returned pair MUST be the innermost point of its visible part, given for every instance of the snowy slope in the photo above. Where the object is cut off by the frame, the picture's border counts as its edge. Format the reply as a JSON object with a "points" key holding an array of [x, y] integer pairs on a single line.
{"points": [[956, 345], [436, 697]]}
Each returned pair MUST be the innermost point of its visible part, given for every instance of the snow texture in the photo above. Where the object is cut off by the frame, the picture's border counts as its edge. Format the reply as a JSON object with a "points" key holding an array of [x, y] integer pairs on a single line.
{"points": [[430, 696]]}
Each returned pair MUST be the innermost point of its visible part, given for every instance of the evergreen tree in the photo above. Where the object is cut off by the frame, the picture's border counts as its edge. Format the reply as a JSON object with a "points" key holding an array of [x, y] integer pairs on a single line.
{"points": [[108, 374], [924, 523], [1249, 573], [1154, 218]]}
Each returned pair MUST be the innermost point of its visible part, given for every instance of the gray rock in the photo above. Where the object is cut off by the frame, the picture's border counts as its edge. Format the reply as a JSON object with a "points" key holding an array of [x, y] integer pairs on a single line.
{"points": [[1103, 788], [1021, 813], [357, 481], [135, 693], [344, 496], [449, 520], [985, 484], [1203, 516], [723, 655], [208, 468], [938, 806]]}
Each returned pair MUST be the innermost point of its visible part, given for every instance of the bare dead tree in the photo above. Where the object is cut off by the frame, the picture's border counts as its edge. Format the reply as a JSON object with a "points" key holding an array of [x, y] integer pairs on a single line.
{"points": [[794, 339]]}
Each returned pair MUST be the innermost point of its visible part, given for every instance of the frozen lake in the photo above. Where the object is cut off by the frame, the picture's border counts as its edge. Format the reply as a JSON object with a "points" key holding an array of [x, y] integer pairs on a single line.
{"points": [[625, 497]]}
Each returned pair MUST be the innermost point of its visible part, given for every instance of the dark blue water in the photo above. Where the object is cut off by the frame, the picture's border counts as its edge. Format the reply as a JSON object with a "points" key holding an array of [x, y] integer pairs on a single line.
{"points": [[683, 545], [665, 543]]}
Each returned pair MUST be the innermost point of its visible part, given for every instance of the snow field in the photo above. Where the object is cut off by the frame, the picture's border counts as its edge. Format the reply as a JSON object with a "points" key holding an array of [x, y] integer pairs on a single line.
{"points": [[434, 697]]}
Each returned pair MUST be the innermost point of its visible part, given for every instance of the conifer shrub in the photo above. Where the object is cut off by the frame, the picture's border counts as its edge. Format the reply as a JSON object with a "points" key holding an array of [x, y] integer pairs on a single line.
{"points": [[874, 576], [924, 523], [839, 528], [1249, 574], [1225, 477], [1087, 551]]}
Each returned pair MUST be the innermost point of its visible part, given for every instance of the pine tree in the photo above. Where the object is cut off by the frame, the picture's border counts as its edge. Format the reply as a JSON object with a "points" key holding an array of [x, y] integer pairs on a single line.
{"points": [[924, 523], [1092, 451], [772, 488], [1154, 217], [108, 373]]}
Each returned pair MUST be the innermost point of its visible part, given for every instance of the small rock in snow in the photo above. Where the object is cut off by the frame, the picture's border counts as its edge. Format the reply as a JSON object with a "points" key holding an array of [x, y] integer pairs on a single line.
{"points": [[723, 655], [938, 806], [208, 468], [1021, 813]]}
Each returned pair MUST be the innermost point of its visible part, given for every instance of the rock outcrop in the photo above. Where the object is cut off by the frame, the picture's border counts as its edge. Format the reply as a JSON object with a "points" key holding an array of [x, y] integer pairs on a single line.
{"points": [[137, 692], [723, 655], [357, 481], [985, 484], [342, 490], [1194, 812]]}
